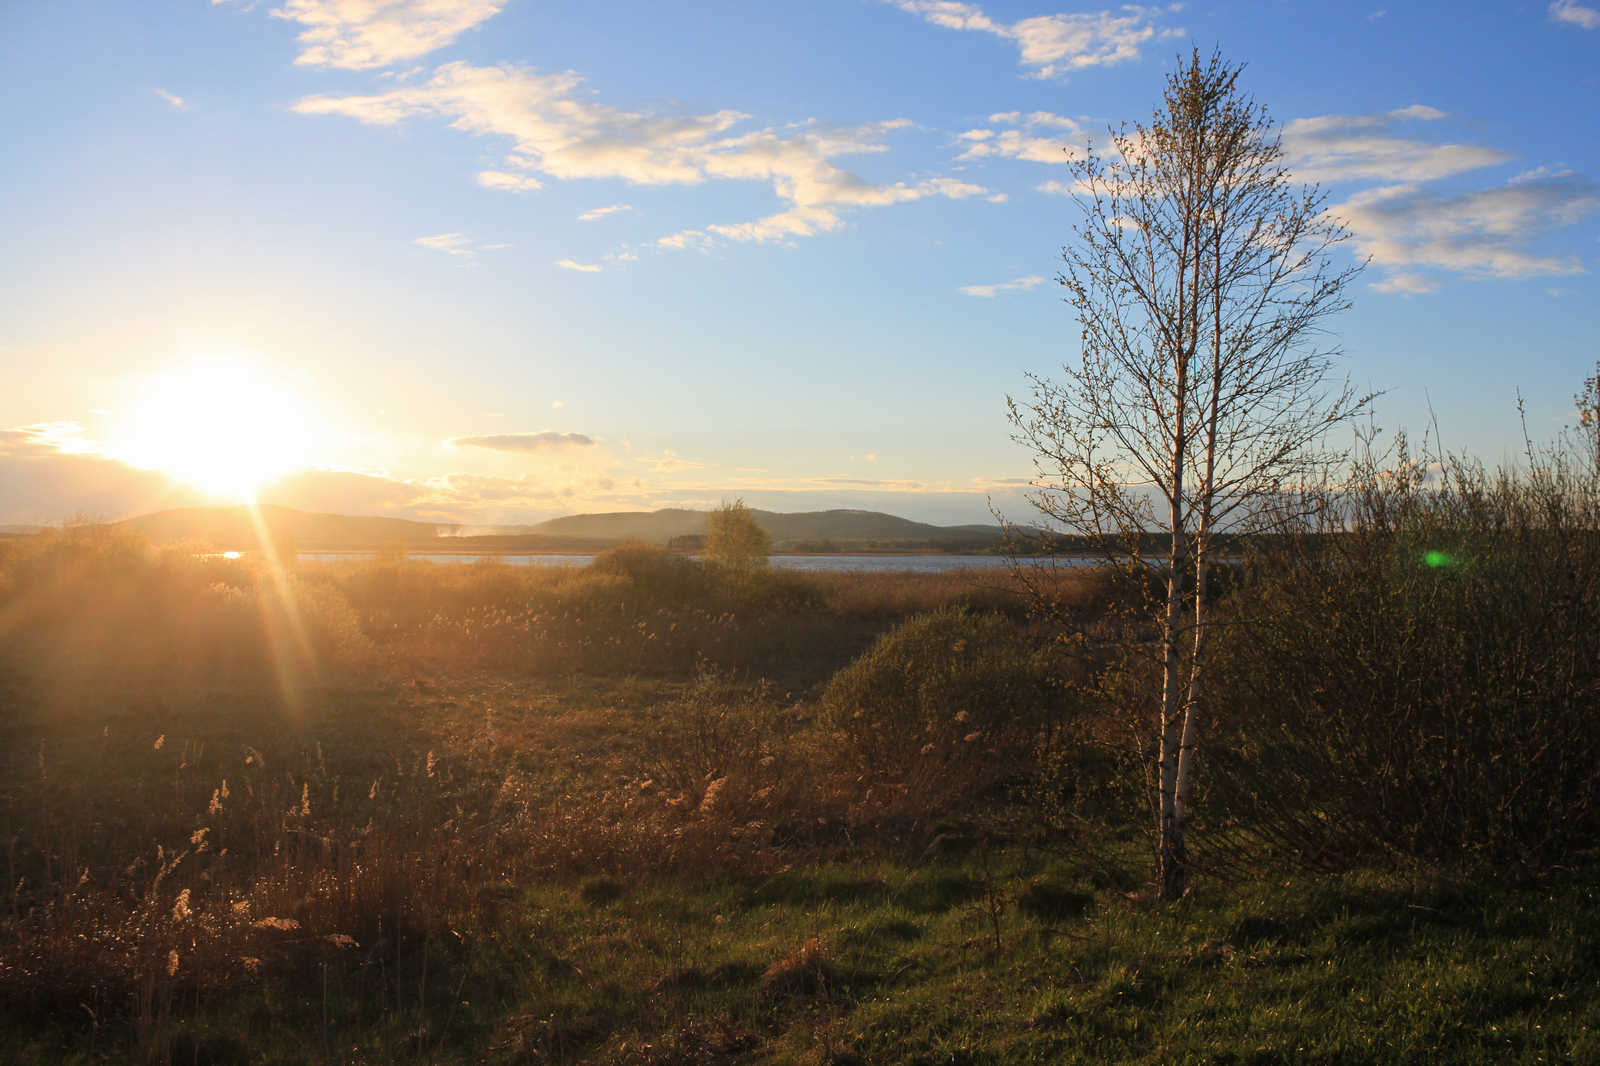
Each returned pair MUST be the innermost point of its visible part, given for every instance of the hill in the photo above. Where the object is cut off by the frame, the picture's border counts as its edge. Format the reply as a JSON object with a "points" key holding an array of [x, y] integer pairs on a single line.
{"points": [[234, 529], [659, 526]]}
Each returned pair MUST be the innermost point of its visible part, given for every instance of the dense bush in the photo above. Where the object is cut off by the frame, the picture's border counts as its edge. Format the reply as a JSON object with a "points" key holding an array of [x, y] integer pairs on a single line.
{"points": [[945, 688], [1419, 675], [658, 574]]}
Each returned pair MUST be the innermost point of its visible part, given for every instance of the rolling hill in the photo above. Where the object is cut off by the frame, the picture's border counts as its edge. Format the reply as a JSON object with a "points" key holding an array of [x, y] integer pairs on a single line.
{"points": [[232, 528]]}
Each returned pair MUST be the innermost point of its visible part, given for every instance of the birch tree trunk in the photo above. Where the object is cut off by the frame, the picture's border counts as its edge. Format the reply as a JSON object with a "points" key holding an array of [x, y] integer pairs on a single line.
{"points": [[1191, 226]]}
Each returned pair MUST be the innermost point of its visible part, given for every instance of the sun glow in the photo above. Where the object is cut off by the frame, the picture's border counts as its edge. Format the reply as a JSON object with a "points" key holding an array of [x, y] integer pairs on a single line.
{"points": [[220, 425]]}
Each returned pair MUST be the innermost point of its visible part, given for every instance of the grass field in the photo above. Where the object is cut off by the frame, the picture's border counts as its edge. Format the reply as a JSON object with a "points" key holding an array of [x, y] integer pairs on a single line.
{"points": [[979, 942], [481, 815]]}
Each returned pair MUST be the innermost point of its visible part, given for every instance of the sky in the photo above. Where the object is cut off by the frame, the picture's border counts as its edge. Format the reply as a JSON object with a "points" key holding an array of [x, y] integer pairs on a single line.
{"points": [[494, 261]]}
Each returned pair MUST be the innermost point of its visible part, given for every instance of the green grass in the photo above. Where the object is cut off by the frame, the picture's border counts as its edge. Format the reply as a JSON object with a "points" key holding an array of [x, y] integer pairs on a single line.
{"points": [[1357, 969], [618, 966]]}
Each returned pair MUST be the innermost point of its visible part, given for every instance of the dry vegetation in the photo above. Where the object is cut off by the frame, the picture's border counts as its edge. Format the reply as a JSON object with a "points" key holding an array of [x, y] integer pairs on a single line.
{"points": [[646, 811], [222, 777]]}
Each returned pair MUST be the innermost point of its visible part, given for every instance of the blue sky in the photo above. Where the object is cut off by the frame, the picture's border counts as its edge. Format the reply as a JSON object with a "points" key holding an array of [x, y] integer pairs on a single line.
{"points": [[494, 261]]}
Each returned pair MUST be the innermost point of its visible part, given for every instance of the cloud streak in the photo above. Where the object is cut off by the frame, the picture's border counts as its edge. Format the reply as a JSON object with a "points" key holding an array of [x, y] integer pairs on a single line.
{"points": [[450, 243], [365, 34], [602, 212], [558, 130], [1014, 285], [669, 461], [1053, 44], [523, 442]]}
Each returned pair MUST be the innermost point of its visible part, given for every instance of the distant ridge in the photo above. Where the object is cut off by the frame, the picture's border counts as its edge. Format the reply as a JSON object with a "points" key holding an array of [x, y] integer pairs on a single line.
{"points": [[232, 529], [659, 526]]}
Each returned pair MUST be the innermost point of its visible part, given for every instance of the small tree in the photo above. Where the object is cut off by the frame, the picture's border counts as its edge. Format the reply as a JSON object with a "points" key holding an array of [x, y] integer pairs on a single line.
{"points": [[735, 541], [1201, 277]]}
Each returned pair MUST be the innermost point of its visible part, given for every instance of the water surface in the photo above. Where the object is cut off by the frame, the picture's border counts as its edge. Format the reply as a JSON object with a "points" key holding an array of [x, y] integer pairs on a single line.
{"points": [[847, 563]]}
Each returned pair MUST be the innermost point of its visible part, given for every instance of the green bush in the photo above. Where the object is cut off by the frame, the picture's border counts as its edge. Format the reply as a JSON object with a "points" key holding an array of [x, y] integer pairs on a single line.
{"points": [[945, 687]]}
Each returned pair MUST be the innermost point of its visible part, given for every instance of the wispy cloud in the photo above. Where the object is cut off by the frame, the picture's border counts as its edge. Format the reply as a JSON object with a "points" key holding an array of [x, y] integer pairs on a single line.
{"points": [[363, 34], [602, 212], [556, 129], [175, 101], [586, 268], [1014, 285], [1024, 143], [499, 179], [669, 461], [1575, 13], [867, 483], [1334, 148], [523, 442], [1063, 188], [1054, 44], [451, 243], [1413, 231]]}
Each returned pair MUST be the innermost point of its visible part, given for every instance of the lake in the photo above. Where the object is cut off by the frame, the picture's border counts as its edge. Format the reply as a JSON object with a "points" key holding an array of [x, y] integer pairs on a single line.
{"points": [[851, 563]]}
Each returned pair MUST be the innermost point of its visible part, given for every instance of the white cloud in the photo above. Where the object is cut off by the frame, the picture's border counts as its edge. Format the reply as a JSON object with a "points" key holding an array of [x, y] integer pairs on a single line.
{"points": [[557, 130], [602, 212], [1053, 44], [1480, 234], [175, 101], [499, 179], [587, 268], [1016, 144], [523, 442], [1064, 188], [1014, 285], [451, 243], [362, 34], [1335, 148], [669, 461], [1575, 13]]}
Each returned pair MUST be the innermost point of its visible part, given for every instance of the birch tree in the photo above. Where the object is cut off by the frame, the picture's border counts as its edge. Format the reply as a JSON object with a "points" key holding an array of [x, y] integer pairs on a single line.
{"points": [[1202, 275]]}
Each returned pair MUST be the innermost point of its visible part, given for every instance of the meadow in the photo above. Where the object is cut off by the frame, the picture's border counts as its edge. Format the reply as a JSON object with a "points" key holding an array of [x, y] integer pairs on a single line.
{"points": [[648, 812]]}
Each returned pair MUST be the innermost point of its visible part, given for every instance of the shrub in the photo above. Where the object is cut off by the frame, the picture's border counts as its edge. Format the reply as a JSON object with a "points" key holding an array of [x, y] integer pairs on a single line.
{"points": [[1422, 680], [654, 571], [944, 687]]}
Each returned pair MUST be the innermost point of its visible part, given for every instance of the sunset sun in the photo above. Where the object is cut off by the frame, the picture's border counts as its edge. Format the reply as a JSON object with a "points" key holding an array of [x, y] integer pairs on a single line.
{"points": [[220, 425]]}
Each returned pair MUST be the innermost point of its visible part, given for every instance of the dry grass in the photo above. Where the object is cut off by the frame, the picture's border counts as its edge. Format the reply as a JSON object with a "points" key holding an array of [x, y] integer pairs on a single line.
{"points": [[219, 778]]}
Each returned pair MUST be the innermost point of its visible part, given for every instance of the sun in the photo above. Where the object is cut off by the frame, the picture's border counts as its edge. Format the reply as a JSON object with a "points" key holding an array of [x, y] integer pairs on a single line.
{"points": [[220, 425]]}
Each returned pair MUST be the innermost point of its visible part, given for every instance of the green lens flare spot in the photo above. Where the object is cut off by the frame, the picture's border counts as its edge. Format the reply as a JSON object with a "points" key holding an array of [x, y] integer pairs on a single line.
{"points": [[1438, 559]]}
